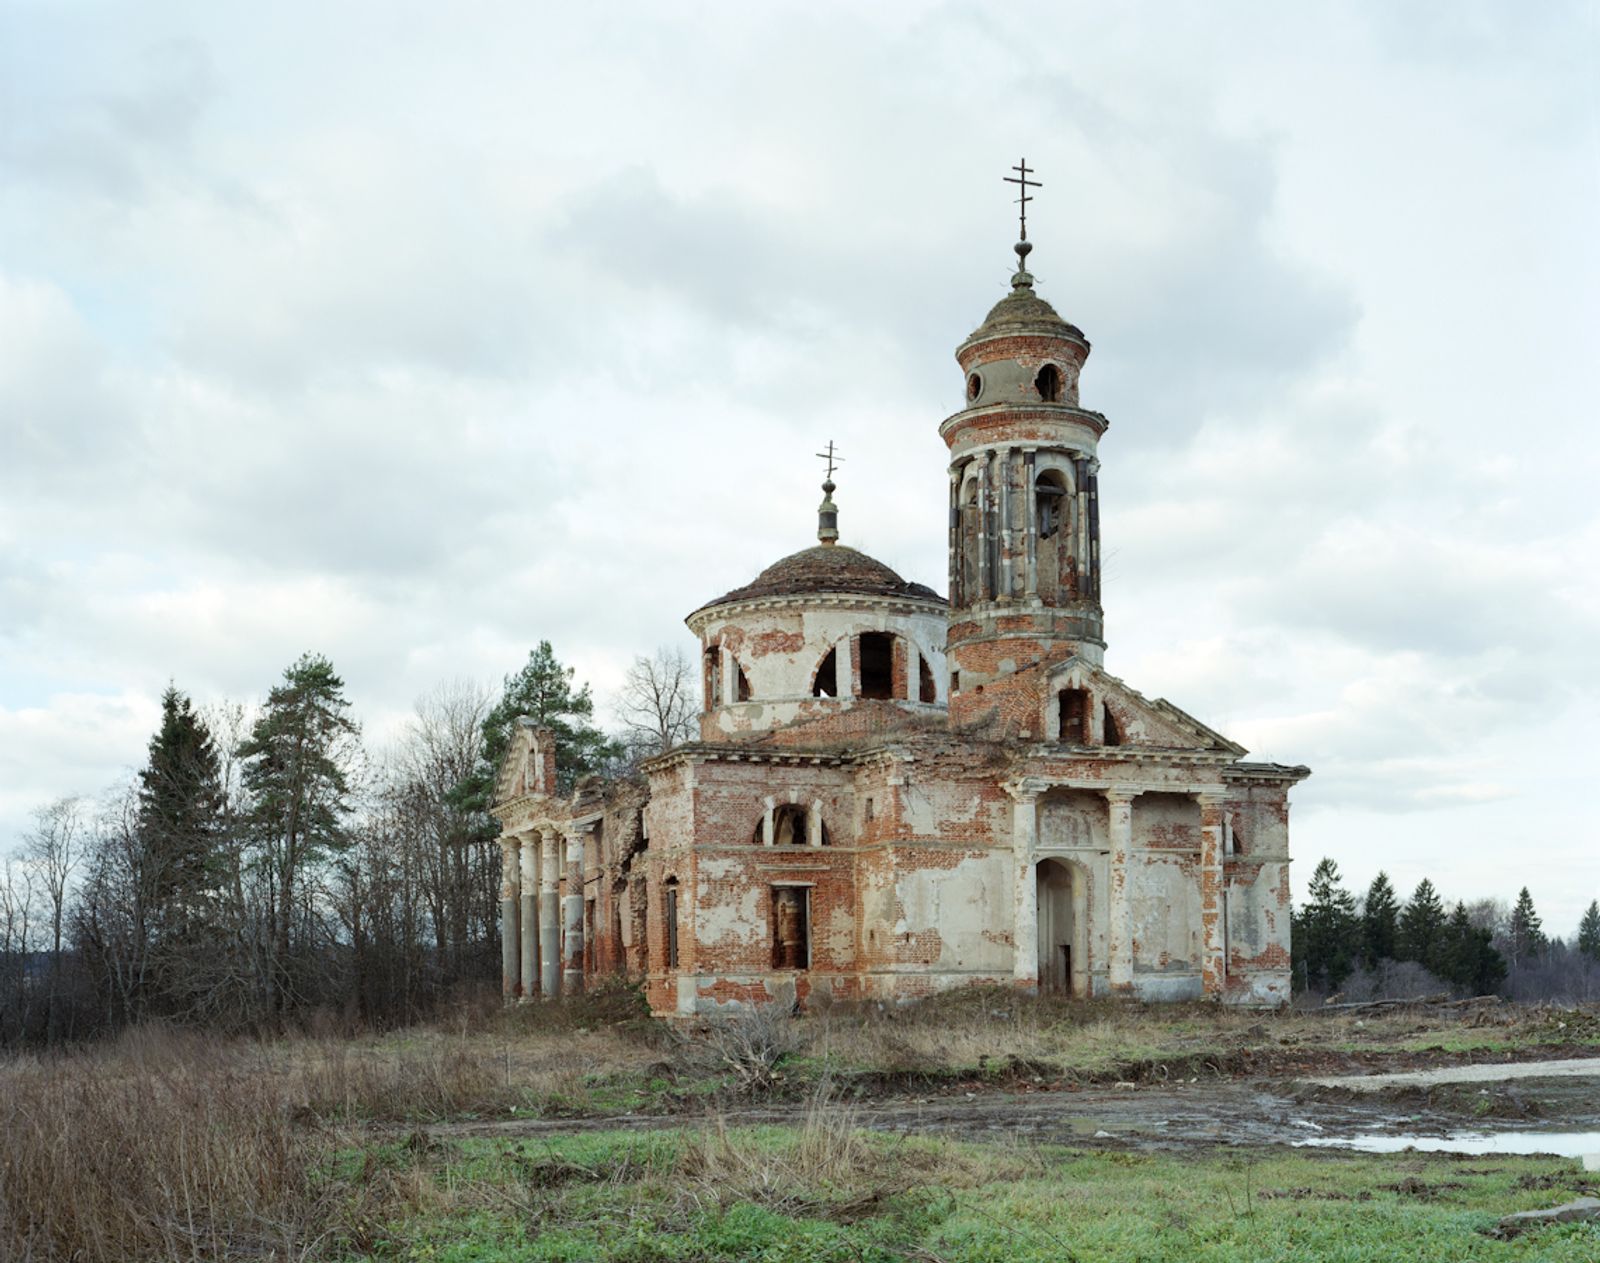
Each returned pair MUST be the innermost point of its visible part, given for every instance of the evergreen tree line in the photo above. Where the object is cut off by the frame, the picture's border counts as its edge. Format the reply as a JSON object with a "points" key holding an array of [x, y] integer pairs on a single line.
{"points": [[263, 865], [1375, 947]]}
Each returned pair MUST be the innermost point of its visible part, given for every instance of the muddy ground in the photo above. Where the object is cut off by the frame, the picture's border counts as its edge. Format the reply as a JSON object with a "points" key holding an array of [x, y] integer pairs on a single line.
{"points": [[1166, 1110]]}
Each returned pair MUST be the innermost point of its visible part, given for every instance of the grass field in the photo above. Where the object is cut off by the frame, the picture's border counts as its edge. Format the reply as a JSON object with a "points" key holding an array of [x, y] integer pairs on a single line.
{"points": [[170, 1145]]}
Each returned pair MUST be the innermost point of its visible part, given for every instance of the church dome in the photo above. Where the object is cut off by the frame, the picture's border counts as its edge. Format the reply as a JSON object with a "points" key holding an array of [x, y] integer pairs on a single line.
{"points": [[827, 568], [1023, 311]]}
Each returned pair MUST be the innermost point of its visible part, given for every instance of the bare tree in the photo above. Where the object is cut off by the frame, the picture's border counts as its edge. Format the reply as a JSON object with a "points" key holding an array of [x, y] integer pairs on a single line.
{"points": [[657, 703], [54, 848]]}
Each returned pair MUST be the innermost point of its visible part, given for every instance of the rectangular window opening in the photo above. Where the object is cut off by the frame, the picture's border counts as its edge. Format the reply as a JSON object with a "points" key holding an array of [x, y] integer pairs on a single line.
{"points": [[791, 927]]}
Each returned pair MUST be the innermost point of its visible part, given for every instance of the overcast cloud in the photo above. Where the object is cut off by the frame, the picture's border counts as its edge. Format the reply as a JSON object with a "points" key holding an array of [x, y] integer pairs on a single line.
{"points": [[413, 334]]}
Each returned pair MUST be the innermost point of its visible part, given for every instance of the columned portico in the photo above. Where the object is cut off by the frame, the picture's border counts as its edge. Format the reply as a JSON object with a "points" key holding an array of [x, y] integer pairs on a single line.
{"points": [[1119, 832]]}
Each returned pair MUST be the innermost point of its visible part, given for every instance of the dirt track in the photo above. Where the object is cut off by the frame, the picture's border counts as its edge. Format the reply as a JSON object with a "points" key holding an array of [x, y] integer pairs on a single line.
{"points": [[1560, 1096]]}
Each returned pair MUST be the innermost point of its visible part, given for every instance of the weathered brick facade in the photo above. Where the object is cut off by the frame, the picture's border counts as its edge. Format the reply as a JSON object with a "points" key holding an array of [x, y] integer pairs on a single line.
{"points": [[893, 794]]}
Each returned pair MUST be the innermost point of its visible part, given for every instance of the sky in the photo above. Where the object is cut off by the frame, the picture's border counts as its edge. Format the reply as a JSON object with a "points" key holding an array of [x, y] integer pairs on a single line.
{"points": [[413, 334]]}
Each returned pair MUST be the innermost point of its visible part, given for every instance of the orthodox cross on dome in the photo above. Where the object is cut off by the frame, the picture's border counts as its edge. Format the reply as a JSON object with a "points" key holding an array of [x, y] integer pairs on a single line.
{"points": [[827, 511], [1023, 185]]}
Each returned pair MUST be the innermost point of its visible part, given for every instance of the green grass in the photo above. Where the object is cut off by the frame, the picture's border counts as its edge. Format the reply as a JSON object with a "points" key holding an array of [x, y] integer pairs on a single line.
{"points": [[823, 1191]]}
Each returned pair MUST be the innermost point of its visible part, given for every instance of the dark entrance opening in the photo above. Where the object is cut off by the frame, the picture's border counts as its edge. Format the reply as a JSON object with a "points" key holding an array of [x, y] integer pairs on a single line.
{"points": [[1075, 716], [877, 665]]}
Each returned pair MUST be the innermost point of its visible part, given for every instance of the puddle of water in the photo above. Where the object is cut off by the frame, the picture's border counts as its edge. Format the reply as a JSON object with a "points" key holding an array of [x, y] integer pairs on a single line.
{"points": [[1565, 1144]]}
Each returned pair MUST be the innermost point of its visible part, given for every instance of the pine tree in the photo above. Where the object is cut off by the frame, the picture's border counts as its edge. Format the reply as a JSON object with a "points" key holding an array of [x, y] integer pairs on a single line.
{"points": [[1589, 931], [296, 776], [542, 691], [1332, 929], [1524, 934], [1380, 922], [1421, 923]]}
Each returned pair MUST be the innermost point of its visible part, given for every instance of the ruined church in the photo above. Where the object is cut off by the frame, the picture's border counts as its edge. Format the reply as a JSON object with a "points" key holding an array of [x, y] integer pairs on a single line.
{"points": [[894, 793]]}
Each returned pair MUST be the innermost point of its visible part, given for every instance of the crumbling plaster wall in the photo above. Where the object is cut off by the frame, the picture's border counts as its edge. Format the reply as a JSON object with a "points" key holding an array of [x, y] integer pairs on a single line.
{"points": [[780, 645]]}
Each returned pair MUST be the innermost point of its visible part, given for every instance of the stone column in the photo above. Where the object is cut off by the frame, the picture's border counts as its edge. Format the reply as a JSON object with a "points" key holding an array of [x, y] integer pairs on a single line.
{"points": [[1094, 528], [510, 973], [1080, 525], [1004, 586], [529, 849], [984, 577], [845, 667], [1030, 528], [549, 916], [1119, 804], [1025, 896], [572, 919], [1213, 964]]}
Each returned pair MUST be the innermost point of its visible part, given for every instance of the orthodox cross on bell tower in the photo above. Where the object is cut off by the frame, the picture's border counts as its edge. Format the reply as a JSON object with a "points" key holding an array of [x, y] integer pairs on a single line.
{"points": [[1023, 185], [827, 511]]}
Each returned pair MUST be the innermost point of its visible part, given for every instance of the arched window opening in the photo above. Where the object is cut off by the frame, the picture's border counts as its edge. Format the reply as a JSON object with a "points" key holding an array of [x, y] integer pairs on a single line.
{"points": [[743, 685], [1048, 383], [877, 665], [1074, 705], [670, 901], [1108, 726], [788, 825], [713, 677], [1052, 529], [1050, 497], [967, 563], [926, 690], [826, 683]]}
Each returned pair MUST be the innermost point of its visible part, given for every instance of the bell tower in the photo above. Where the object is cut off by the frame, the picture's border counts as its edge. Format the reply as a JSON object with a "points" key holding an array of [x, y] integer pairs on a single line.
{"points": [[1024, 506]]}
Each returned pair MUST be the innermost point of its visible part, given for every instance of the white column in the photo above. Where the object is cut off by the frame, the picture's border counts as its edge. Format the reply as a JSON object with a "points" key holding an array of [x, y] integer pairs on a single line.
{"points": [[510, 974], [1120, 948], [530, 911], [845, 667], [572, 919], [1025, 893], [549, 916], [1213, 964]]}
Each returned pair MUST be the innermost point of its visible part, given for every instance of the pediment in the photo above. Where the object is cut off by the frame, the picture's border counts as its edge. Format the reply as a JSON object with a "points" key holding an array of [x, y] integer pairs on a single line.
{"points": [[528, 765], [1138, 720]]}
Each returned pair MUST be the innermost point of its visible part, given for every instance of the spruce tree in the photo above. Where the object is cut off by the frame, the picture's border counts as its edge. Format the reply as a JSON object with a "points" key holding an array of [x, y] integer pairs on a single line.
{"points": [[1332, 929], [1589, 931], [297, 762], [1524, 934], [1466, 957], [1380, 922], [180, 806], [1421, 922]]}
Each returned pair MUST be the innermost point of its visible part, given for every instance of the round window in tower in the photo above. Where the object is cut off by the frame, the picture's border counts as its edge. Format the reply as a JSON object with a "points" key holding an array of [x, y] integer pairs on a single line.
{"points": [[974, 387]]}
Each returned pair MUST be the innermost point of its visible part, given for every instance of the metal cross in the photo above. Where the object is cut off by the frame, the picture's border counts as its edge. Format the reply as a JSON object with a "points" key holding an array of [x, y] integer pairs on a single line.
{"points": [[1023, 185], [831, 457]]}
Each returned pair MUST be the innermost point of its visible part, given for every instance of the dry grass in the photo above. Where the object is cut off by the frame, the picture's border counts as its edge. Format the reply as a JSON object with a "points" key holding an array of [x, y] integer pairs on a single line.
{"points": [[168, 1144]]}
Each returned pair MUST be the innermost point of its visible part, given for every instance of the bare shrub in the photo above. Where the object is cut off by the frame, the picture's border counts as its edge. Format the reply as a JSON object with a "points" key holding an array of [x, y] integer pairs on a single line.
{"points": [[750, 1045]]}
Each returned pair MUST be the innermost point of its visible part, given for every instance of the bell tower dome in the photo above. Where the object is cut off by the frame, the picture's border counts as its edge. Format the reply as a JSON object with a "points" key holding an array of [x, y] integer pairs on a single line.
{"points": [[1024, 509]]}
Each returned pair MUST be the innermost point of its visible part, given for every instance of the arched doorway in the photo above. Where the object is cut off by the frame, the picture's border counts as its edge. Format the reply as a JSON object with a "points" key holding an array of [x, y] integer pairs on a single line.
{"points": [[1063, 963]]}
